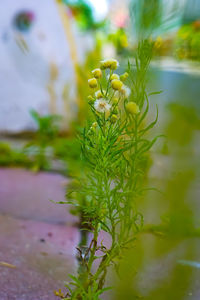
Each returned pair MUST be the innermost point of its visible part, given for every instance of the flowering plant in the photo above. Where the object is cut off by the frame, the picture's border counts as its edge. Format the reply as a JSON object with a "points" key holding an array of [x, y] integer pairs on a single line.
{"points": [[114, 148]]}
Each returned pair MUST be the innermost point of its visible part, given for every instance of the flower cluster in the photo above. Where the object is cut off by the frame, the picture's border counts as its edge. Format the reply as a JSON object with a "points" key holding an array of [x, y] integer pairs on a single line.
{"points": [[107, 101]]}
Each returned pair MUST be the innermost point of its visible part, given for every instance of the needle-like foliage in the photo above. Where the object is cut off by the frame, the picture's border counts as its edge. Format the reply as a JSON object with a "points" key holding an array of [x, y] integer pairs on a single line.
{"points": [[115, 150]]}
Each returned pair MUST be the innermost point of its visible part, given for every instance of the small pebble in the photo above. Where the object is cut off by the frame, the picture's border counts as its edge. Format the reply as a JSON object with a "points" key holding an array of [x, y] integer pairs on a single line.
{"points": [[44, 253]]}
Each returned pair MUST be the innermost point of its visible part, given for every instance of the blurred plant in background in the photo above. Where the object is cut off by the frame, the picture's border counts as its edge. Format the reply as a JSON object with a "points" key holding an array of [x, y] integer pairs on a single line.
{"points": [[120, 40], [44, 138], [188, 41], [83, 14], [147, 16], [13, 158]]}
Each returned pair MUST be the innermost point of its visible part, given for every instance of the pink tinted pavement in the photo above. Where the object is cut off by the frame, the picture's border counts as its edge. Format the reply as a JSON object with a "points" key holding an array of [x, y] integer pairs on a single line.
{"points": [[37, 237], [25, 194]]}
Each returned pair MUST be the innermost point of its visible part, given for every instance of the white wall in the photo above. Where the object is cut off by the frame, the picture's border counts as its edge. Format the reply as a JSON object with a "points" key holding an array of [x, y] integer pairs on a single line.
{"points": [[24, 75]]}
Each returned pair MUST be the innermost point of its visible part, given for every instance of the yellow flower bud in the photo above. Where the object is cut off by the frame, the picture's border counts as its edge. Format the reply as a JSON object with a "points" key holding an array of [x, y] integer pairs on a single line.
{"points": [[92, 83], [116, 84], [93, 128], [104, 64], [98, 94], [94, 125], [158, 42], [113, 119], [114, 76], [97, 73], [90, 99], [59, 293], [132, 108], [123, 41], [109, 64], [124, 76], [115, 100], [114, 64]]}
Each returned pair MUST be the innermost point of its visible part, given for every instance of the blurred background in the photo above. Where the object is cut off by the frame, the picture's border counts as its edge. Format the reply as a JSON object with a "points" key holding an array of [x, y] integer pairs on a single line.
{"points": [[47, 51]]}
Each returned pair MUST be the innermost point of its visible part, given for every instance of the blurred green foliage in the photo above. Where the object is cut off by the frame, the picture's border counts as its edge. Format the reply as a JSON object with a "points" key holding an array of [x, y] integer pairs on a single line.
{"points": [[147, 15], [187, 42], [39, 148], [120, 40], [83, 14], [182, 124], [12, 158]]}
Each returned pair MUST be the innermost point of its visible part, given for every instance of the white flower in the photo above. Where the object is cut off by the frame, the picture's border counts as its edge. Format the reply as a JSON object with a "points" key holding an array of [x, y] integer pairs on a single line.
{"points": [[124, 92], [101, 105]]}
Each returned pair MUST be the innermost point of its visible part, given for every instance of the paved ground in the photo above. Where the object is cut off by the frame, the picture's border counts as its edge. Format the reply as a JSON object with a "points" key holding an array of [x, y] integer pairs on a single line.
{"points": [[37, 238]]}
